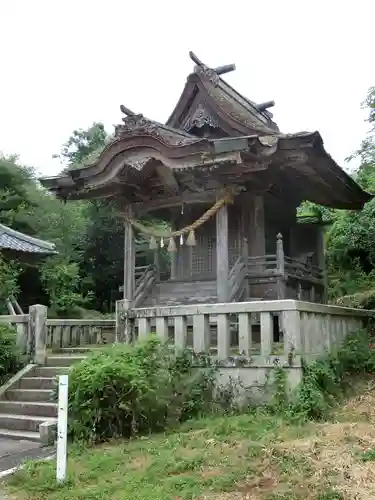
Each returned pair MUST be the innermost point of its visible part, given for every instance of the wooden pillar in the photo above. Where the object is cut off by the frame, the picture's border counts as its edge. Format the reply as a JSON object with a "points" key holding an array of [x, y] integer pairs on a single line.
{"points": [[222, 257], [244, 243], [129, 258], [257, 240], [322, 259], [174, 255], [157, 263]]}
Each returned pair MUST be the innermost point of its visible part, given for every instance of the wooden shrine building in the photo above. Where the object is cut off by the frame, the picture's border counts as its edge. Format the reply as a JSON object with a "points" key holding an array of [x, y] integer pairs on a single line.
{"points": [[25, 248], [228, 182]]}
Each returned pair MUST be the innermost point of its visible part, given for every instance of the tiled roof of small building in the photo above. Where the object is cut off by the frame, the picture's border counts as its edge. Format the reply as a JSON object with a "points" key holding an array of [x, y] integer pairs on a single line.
{"points": [[19, 242]]}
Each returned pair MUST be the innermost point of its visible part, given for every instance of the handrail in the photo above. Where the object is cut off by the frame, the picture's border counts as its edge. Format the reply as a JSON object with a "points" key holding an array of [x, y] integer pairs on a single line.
{"points": [[266, 264], [262, 264], [138, 273], [237, 277], [300, 268], [144, 284]]}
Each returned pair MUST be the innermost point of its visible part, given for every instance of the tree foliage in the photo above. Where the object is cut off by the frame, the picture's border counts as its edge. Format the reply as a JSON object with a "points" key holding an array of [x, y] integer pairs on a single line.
{"points": [[83, 146], [351, 238]]}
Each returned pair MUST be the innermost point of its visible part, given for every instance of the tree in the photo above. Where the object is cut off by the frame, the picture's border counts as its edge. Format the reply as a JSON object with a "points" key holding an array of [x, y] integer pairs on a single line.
{"points": [[351, 239], [101, 244], [16, 203], [83, 146]]}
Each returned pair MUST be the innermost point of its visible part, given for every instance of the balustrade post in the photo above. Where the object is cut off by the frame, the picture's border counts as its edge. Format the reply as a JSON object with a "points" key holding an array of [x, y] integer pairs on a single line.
{"points": [[123, 321], [38, 333], [312, 293], [280, 259], [280, 267], [292, 328]]}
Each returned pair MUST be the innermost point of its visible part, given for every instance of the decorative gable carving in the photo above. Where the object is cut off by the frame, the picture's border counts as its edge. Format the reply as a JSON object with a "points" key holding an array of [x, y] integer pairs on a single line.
{"points": [[199, 119], [135, 124]]}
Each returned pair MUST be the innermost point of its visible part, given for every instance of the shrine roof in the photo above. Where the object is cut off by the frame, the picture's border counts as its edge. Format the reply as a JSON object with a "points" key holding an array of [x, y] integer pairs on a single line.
{"points": [[10, 239], [205, 91], [130, 160], [243, 146]]}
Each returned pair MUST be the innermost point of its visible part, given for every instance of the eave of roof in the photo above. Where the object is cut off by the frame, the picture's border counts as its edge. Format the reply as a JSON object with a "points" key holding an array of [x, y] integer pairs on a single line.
{"points": [[10, 239], [337, 189]]}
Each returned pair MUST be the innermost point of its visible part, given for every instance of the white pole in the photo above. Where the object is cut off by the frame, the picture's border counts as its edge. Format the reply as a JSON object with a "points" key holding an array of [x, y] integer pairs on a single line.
{"points": [[62, 429]]}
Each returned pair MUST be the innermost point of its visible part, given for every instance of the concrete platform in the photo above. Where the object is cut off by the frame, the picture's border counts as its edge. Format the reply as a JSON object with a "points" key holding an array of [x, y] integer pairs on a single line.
{"points": [[14, 453]]}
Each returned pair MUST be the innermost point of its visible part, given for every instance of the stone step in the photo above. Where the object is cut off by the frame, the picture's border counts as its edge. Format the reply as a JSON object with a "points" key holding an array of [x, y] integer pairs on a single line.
{"points": [[64, 361], [33, 395], [49, 371], [78, 350], [29, 423], [39, 383], [38, 409], [19, 435]]}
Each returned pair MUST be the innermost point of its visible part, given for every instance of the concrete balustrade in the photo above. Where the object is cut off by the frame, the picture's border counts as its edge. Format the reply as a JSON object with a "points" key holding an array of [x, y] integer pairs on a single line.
{"points": [[261, 330], [303, 328]]}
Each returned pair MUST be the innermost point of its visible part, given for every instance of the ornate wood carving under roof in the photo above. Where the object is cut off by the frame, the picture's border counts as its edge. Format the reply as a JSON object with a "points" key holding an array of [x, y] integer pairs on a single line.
{"points": [[136, 124], [199, 119]]}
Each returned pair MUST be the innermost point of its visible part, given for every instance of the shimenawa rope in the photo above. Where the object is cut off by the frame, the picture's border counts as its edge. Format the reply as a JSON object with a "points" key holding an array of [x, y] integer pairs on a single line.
{"points": [[190, 229]]}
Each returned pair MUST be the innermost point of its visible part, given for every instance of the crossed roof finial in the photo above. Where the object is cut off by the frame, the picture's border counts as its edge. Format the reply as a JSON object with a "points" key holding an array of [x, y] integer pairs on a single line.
{"points": [[220, 70]]}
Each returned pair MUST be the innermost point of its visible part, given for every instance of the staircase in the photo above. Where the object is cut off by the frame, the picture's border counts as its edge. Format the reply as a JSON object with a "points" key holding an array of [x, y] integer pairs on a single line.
{"points": [[28, 402], [172, 293]]}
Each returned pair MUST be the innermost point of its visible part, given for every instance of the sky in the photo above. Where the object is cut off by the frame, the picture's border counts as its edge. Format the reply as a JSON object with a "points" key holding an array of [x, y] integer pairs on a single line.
{"points": [[66, 64]]}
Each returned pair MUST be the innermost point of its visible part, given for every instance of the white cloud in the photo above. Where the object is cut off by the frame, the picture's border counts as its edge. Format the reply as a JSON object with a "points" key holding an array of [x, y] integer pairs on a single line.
{"points": [[68, 63]]}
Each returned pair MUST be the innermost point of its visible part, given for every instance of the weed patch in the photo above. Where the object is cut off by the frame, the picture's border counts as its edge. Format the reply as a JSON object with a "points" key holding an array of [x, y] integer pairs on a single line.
{"points": [[328, 380], [10, 359], [132, 390]]}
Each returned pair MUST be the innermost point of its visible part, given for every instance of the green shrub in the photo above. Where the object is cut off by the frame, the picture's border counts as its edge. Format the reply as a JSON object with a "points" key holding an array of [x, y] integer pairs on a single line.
{"points": [[358, 300], [126, 390], [10, 360], [326, 380]]}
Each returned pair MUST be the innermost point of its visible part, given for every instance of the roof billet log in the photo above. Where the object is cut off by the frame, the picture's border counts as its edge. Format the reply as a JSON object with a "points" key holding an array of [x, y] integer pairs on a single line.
{"points": [[220, 70], [265, 105]]}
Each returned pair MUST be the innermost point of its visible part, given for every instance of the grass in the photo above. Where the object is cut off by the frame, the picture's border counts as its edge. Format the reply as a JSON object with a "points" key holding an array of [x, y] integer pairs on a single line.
{"points": [[255, 457]]}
